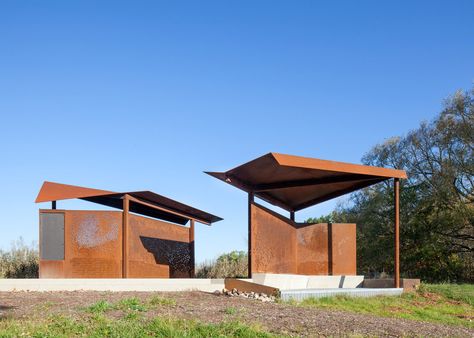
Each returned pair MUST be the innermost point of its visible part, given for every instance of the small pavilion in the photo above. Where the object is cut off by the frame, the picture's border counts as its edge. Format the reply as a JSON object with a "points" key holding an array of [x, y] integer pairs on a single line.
{"points": [[151, 236]]}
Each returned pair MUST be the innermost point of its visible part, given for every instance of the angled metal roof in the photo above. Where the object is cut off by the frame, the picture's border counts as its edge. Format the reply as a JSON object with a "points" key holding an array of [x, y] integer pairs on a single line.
{"points": [[294, 182], [159, 206]]}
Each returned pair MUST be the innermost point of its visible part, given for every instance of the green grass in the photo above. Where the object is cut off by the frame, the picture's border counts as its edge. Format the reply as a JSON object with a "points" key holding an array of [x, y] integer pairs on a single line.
{"points": [[99, 307], [459, 292], [101, 326], [131, 304], [439, 303], [161, 301], [230, 310]]}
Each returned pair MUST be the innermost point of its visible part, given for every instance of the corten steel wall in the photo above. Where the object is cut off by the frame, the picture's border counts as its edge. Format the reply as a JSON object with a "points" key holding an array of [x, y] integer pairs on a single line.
{"points": [[273, 243], [282, 246], [344, 249], [158, 249], [312, 243], [93, 246]]}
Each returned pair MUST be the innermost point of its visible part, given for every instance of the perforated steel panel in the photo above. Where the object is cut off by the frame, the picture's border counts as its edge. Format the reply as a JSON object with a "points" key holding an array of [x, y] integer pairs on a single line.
{"points": [[52, 236]]}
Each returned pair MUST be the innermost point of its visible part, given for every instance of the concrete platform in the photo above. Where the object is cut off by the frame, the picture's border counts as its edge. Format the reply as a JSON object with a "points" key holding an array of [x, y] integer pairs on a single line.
{"points": [[291, 281], [408, 284], [105, 284], [289, 284], [302, 294]]}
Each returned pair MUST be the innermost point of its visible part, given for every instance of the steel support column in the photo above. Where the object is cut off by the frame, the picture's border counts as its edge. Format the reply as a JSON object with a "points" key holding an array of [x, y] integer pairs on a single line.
{"points": [[396, 195], [126, 205], [191, 244], [250, 235], [292, 215]]}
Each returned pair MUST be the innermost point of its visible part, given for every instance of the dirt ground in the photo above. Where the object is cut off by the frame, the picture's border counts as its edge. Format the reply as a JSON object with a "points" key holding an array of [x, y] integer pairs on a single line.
{"points": [[210, 308]]}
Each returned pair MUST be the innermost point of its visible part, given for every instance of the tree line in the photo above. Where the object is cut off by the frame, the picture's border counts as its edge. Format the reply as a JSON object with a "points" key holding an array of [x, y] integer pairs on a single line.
{"points": [[436, 201]]}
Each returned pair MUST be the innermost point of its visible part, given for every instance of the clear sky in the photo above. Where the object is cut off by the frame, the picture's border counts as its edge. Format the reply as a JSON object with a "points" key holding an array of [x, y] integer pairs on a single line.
{"points": [[146, 95]]}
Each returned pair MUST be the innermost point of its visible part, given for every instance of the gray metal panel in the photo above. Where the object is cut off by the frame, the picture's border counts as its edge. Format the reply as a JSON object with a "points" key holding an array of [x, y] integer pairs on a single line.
{"points": [[52, 236]]}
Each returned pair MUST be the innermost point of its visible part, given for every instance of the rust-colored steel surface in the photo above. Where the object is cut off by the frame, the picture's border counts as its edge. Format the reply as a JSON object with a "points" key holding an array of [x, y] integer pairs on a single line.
{"points": [[246, 286], [51, 191], [93, 247], [158, 249], [294, 182], [312, 243], [343, 249], [396, 195], [273, 242], [279, 245], [141, 202], [114, 244]]}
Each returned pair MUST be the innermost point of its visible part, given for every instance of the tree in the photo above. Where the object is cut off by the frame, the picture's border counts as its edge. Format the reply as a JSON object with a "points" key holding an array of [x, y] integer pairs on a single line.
{"points": [[437, 199]]}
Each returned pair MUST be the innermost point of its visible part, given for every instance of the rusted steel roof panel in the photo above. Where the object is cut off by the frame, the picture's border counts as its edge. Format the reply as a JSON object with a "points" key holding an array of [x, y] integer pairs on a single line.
{"points": [[295, 183], [51, 191], [174, 211]]}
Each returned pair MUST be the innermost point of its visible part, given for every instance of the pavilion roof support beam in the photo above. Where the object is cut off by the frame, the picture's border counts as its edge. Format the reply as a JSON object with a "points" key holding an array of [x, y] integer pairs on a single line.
{"points": [[251, 189], [308, 182], [338, 193], [136, 200]]}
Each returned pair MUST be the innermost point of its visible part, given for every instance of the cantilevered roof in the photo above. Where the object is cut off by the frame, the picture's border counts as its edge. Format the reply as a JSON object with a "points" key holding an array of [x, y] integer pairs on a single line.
{"points": [[294, 183], [151, 204]]}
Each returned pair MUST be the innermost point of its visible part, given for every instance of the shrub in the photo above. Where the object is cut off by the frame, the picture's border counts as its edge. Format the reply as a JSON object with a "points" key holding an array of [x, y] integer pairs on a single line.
{"points": [[233, 264], [21, 261]]}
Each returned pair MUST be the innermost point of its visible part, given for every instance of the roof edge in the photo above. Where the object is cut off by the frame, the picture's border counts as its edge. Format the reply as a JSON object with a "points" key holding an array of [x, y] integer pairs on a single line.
{"points": [[315, 163], [53, 191]]}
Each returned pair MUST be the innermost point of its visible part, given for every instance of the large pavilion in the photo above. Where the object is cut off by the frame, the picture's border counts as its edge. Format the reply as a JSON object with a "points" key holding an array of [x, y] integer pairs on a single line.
{"points": [[277, 244]]}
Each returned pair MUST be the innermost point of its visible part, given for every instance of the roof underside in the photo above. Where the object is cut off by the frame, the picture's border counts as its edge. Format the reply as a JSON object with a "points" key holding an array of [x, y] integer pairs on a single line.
{"points": [[294, 183], [175, 212]]}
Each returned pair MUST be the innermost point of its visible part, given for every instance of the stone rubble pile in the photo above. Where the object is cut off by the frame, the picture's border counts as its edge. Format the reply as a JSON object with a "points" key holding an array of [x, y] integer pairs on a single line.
{"points": [[250, 295]]}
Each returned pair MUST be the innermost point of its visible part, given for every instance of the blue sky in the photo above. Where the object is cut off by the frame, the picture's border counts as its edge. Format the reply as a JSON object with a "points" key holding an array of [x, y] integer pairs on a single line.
{"points": [[149, 94]]}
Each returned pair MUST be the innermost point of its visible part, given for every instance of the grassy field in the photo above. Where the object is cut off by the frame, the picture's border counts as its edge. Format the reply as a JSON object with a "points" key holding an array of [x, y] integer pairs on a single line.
{"points": [[126, 318], [162, 315], [132, 325], [440, 303]]}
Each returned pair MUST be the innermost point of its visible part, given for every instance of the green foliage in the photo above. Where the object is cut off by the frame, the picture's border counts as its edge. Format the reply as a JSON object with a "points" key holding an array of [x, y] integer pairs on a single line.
{"points": [[21, 261], [161, 301], [233, 264], [434, 306], [230, 310], [436, 202], [458, 292], [131, 304], [321, 219], [99, 307]]}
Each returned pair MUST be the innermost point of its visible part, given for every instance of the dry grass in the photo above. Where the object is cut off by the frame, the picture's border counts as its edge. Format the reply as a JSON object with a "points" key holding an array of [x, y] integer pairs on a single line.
{"points": [[21, 261], [233, 264]]}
